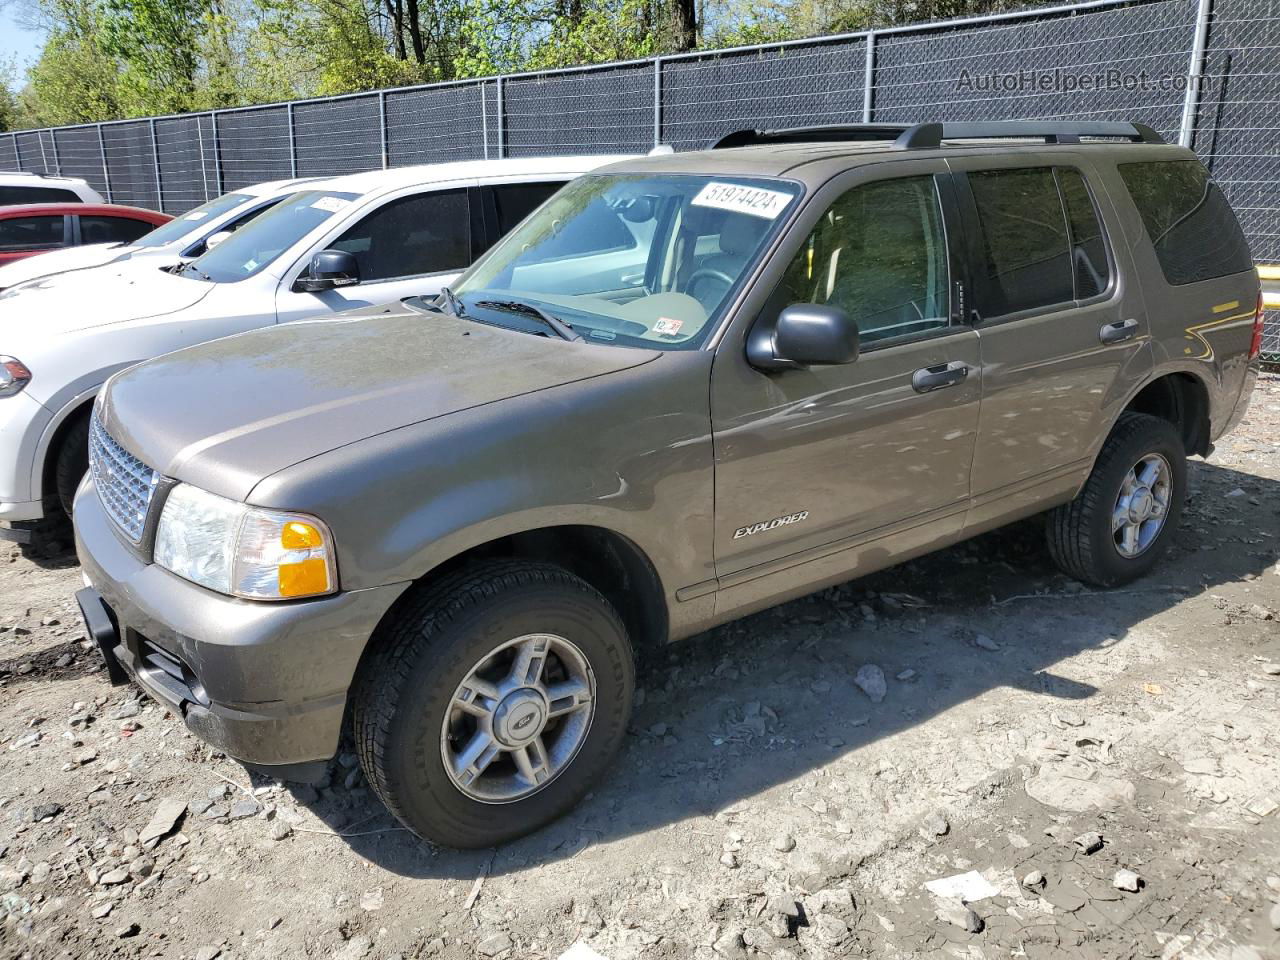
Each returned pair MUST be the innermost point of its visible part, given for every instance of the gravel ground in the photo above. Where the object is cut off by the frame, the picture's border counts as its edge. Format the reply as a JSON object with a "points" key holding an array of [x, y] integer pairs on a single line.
{"points": [[1099, 772]]}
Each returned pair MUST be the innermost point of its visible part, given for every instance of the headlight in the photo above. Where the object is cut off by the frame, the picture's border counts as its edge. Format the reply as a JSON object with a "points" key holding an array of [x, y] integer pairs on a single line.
{"points": [[244, 551], [14, 375]]}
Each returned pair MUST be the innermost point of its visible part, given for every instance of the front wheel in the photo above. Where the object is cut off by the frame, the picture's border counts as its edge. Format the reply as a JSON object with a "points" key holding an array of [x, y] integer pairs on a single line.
{"points": [[1118, 526], [497, 701]]}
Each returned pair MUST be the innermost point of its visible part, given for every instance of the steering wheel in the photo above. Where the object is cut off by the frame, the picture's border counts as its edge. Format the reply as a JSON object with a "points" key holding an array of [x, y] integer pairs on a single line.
{"points": [[704, 273]]}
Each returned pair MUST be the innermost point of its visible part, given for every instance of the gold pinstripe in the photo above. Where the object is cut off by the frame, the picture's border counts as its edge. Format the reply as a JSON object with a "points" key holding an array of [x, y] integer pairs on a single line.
{"points": [[1197, 332]]}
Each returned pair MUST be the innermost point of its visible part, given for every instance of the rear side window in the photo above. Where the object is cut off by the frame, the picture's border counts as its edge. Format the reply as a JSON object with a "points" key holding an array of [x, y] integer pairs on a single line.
{"points": [[30, 233], [1025, 257], [411, 236], [1195, 234], [10, 195], [1088, 248], [112, 229], [515, 201]]}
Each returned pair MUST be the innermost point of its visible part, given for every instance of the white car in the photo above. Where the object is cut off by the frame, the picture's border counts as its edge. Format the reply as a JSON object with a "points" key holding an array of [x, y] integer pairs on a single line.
{"points": [[182, 238], [348, 242], [39, 188]]}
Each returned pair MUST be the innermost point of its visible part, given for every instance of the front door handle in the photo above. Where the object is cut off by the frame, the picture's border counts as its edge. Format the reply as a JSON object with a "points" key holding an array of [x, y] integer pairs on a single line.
{"points": [[1119, 331], [928, 379]]}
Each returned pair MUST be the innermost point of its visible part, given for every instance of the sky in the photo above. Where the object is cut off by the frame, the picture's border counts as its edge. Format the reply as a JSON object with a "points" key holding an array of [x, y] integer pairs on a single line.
{"points": [[16, 43]]}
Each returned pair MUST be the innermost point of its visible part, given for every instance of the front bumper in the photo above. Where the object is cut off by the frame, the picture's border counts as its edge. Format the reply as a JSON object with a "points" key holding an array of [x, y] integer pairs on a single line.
{"points": [[265, 683], [23, 422]]}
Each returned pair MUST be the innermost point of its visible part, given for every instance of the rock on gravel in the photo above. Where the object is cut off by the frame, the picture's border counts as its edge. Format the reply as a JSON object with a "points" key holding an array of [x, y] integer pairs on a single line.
{"points": [[784, 843], [1088, 842], [1126, 880], [958, 915], [164, 819], [494, 944], [870, 679]]}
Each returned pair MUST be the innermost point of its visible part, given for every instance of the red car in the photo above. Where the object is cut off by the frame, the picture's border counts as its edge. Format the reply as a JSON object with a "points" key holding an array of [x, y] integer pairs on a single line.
{"points": [[31, 228]]}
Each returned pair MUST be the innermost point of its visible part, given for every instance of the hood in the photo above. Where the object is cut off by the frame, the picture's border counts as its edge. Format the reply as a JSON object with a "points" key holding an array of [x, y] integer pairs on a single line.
{"points": [[80, 299], [227, 414], [57, 261]]}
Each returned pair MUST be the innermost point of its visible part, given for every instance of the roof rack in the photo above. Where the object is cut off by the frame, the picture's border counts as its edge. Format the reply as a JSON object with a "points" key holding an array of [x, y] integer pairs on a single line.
{"points": [[925, 136]]}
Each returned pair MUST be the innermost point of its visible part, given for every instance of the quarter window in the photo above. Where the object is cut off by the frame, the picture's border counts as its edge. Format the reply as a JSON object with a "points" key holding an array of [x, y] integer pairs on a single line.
{"points": [[112, 229], [1025, 256], [1195, 234], [420, 234], [22, 194], [879, 253], [1088, 248], [30, 233]]}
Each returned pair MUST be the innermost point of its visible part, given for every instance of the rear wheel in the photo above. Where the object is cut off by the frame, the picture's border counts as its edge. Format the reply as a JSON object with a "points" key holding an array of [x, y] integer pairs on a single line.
{"points": [[500, 697], [1116, 529]]}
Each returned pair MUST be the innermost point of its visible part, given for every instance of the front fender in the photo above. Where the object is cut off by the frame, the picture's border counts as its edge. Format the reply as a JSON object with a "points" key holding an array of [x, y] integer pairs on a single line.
{"points": [[629, 452]]}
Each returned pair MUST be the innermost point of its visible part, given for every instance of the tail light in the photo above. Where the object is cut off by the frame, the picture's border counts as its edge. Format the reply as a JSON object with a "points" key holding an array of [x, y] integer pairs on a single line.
{"points": [[1255, 347]]}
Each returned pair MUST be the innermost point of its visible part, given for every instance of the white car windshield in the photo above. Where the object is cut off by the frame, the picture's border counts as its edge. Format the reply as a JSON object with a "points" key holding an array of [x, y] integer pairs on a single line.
{"points": [[192, 222], [636, 260], [258, 243]]}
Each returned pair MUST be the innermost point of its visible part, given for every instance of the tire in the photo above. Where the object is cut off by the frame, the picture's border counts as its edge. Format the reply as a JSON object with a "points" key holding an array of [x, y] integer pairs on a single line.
{"points": [[410, 686], [72, 463], [1082, 539]]}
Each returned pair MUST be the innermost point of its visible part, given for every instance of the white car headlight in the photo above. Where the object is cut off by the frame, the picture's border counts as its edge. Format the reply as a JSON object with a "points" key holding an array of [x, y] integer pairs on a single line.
{"points": [[14, 375], [244, 551]]}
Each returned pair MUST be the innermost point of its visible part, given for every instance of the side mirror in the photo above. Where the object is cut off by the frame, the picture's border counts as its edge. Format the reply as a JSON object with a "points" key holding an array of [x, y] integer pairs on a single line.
{"points": [[804, 334], [215, 238], [329, 269]]}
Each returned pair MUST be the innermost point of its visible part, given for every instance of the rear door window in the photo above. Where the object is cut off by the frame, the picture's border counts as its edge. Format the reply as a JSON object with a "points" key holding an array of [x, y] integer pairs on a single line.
{"points": [[1024, 259], [515, 201], [30, 233], [99, 229], [1088, 247], [1191, 225]]}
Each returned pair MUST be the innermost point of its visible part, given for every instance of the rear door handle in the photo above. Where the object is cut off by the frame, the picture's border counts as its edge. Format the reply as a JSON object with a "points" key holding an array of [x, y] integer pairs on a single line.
{"points": [[1119, 331], [928, 379]]}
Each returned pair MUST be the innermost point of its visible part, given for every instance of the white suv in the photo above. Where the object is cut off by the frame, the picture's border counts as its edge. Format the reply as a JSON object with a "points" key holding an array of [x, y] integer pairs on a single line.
{"points": [[182, 238], [39, 188], [350, 241]]}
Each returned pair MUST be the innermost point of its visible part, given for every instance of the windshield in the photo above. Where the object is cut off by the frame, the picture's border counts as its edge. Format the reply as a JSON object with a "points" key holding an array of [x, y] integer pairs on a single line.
{"points": [[636, 260], [192, 222], [259, 242]]}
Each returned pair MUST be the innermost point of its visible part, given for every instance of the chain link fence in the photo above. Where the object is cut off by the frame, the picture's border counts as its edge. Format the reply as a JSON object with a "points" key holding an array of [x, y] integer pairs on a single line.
{"points": [[1202, 72]]}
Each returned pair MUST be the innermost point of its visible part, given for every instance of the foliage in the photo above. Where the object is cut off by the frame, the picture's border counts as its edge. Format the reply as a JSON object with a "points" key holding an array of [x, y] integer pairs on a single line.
{"points": [[106, 59]]}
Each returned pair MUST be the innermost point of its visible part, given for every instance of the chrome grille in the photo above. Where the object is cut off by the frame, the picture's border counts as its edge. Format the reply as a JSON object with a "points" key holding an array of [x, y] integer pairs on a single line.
{"points": [[124, 483]]}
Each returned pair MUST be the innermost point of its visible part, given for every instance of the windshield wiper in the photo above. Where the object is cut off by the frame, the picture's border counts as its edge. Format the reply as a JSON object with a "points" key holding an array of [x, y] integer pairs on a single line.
{"points": [[562, 329], [421, 304], [197, 271], [455, 305]]}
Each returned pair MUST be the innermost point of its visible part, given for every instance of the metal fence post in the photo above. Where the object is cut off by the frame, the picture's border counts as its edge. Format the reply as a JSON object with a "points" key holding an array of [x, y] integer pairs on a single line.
{"points": [[44, 160], [53, 145], [382, 122], [1195, 74], [868, 80], [155, 156], [106, 171], [484, 116], [501, 147], [217, 159], [204, 177], [293, 147], [657, 101]]}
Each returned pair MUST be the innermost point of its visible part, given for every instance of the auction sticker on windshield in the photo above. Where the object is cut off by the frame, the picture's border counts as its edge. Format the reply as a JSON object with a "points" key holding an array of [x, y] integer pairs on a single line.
{"points": [[756, 201], [331, 204]]}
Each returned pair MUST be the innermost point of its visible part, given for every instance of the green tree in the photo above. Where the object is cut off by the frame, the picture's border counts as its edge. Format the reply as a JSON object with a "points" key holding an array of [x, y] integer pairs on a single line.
{"points": [[157, 41]]}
